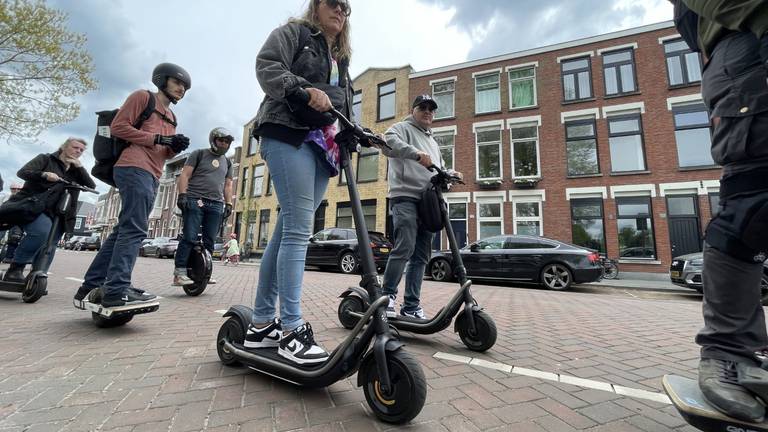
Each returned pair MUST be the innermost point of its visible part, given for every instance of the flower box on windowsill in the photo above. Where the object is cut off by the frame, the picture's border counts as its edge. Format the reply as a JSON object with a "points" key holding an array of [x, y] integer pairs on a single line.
{"points": [[488, 184], [526, 183]]}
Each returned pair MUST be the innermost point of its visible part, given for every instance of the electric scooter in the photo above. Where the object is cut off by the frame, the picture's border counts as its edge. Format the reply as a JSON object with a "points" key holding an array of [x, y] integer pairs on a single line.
{"points": [[392, 380], [475, 327], [35, 284]]}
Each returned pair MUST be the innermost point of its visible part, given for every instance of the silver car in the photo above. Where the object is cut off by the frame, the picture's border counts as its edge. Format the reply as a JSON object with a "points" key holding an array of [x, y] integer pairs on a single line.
{"points": [[685, 271]]}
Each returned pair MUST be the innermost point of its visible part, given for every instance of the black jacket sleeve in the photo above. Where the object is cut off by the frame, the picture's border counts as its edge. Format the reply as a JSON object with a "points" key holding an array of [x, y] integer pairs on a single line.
{"points": [[33, 169], [83, 178]]}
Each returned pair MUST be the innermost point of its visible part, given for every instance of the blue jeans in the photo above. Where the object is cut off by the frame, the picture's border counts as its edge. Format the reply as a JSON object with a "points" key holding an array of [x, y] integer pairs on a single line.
{"points": [[114, 263], [196, 219], [411, 251], [32, 245], [300, 178]]}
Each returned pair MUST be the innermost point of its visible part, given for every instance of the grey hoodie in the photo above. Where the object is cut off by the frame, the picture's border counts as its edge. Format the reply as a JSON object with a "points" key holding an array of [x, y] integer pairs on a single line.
{"points": [[406, 176]]}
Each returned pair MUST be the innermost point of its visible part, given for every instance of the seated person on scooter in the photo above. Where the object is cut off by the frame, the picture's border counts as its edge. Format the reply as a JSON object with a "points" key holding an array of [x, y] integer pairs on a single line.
{"points": [[732, 35], [301, 156], [39, 175], [412, 150], [137, 174], [232, 250], [205, 199]]}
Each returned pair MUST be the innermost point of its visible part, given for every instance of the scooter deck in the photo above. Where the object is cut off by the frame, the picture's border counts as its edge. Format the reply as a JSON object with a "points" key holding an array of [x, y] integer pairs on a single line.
{"points": [[689, 401], [112, 312], [271, 353]]}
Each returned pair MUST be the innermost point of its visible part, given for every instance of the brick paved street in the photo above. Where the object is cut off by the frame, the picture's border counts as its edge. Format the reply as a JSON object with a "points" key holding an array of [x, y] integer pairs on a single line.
{"points": [[161, 372]]}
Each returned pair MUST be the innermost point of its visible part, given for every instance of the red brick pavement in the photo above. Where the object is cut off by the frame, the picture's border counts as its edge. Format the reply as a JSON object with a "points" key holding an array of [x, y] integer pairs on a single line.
{"points": [[161, 372]]}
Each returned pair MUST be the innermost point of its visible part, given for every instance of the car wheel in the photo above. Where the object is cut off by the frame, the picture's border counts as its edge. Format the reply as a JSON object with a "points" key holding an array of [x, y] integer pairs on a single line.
{"points": [[348, 263], [556, 277], [440, 270]]}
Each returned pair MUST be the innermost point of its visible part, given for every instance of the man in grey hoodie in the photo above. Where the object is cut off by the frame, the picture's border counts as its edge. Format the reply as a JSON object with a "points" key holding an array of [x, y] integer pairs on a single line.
{"points": [[412, 150]]}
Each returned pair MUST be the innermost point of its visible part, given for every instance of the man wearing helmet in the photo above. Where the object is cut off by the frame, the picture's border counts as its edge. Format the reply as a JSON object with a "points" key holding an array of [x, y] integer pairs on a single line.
{"points": [[205, 198], [137, 175]]}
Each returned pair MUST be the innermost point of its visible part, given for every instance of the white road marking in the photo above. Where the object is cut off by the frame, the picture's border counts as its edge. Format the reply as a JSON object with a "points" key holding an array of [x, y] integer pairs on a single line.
{"points": [[550, 376], [221, 311], [74, 279]]}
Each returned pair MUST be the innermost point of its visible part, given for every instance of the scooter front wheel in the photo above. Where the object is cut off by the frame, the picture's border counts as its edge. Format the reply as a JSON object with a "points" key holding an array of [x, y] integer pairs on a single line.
{"points": [[233, 331], [34, 289], [348, 304], [407, 392], [484, 336]]}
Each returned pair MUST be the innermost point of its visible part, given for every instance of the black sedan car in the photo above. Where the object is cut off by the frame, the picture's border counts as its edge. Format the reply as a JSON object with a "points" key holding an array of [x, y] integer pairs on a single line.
{"points": [[685, 271], [89, 243], [522, 258], [337, 248]]}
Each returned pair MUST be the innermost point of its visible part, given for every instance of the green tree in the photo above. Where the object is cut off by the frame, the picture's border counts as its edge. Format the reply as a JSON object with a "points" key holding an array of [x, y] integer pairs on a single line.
{"points": [[43, 66]]}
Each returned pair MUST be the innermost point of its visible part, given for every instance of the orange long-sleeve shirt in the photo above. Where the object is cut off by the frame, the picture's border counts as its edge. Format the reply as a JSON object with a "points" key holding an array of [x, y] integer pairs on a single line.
{"points": [[143, 152]]}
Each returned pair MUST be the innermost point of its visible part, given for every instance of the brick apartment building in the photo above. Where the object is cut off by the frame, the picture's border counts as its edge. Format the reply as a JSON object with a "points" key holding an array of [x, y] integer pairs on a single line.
{"points": [[602, 142]]}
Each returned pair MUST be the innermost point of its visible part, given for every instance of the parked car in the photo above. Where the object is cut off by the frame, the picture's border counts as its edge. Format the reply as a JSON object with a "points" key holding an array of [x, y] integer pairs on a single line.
{"points": [[685, 271], [552, 263], [89, 243], [160, 247], [144, 242], [337, 247], [73, 241], [218, 249]]}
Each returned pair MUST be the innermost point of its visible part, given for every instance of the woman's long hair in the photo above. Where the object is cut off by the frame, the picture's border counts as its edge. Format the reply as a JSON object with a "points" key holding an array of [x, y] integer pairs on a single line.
{"points": [[342, 48]]}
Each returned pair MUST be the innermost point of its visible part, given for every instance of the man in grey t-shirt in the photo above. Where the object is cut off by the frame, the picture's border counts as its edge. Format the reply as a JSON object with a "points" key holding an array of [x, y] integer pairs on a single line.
{"points": [[205, 198]]}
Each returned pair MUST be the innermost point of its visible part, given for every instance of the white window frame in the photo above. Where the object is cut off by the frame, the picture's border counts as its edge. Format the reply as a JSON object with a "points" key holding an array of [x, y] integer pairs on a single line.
{"points": [[487, 126], [453, 95], [484, 74], [498, 199], [509, 70], [516, 219], [512, 148], [258, 185], [447, 130], [454, 198]]}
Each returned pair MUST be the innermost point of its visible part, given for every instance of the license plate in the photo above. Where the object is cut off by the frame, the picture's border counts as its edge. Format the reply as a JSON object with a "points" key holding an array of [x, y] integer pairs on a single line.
{"points": [[674, 274], [384, 250]]}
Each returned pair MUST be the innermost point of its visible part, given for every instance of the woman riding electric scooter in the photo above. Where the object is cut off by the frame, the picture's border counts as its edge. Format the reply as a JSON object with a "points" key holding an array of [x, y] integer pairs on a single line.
{"points": [[475, 327]]}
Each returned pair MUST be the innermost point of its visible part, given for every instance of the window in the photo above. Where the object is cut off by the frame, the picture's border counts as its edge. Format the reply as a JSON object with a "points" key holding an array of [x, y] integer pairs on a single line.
{"points": [[368, 165], [525, 151], [489, 219], [587, 227], [487, 96], [581, 148], [244, 183], [446, 140], [457, 213], [344, 217], [491, 243], [714, 203], [319, 223], [357, 105], [78, 223], [369, 213], [386, 105], [522, 87], [577, 79], [488, 153], [253, 144], [683, 65], [619, 72], [692, 136], [527, 218], [443, 93], [626, 143], [269, 185], [263, 228], [635, 228], [257, 182]]}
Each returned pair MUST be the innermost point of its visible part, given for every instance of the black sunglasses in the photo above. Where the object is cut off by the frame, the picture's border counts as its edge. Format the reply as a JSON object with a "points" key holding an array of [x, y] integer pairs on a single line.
{"points": [[345, 8], [426, 107]]}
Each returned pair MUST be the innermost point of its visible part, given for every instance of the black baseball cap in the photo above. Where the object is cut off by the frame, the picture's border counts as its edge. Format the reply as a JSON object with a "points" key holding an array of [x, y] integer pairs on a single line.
{"points": [[425, 98]]}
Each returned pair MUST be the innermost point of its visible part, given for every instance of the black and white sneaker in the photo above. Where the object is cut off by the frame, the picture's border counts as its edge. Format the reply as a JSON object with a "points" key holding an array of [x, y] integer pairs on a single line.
{"points": [[391, 306], [267, 337], [129, 298], [299, 347], [143, 295]]}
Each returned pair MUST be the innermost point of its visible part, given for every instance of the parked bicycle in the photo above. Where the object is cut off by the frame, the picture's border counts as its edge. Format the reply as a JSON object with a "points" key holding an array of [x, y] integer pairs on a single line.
{"points": [[610, 267]]}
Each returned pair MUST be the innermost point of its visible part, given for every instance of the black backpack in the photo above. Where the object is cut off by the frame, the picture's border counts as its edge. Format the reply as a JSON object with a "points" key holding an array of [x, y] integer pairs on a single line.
{"points": [[108, 148]]}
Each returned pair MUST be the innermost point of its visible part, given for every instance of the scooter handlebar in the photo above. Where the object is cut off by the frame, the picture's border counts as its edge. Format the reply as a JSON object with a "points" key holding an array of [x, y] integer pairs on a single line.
{"points": [[446, 176], [72, 185]]}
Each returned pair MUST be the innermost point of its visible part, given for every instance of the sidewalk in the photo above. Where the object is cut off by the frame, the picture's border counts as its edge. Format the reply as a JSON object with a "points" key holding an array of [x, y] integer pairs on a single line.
{"points": [[642, 281]]}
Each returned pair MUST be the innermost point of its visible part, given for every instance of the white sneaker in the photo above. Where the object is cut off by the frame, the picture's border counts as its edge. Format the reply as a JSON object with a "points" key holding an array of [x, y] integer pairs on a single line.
{"points": [[391, 307], [417, 313], [299, 346], [181, 280], [266, 337], [211, 281]]}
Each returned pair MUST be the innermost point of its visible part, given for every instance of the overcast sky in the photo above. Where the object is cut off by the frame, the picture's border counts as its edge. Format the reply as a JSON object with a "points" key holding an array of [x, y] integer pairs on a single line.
{"points": [[217, 43]]}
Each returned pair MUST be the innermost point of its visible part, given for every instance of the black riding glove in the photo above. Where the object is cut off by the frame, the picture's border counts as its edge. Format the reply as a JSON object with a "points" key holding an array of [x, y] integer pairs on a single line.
{"points": [[227, 211], [181, 202], [178, 143]]}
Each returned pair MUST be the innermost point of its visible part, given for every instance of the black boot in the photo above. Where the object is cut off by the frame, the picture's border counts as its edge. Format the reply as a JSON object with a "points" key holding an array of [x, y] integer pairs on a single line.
{"points": [[719, 383], [15, 273]]}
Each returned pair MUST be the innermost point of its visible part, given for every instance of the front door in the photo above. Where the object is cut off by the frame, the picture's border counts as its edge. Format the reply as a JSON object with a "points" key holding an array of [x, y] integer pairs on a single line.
{"points": [[684, 233]]}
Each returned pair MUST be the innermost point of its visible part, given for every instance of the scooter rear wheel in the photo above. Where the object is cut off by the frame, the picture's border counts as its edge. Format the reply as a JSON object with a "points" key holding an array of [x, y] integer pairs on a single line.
{"points": [[232, 331], [103, 322], [484, 336], [348, 304], [34, 290], [408, 391]]}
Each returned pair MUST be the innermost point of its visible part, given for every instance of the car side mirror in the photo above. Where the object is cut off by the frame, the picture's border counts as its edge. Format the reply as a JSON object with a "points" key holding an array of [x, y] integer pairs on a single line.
{"points": [[473, 247]]}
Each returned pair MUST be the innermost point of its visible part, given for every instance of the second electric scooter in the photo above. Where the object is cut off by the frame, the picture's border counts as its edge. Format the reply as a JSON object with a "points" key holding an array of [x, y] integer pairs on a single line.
{"points": [[475, 327], [392, 380]]}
